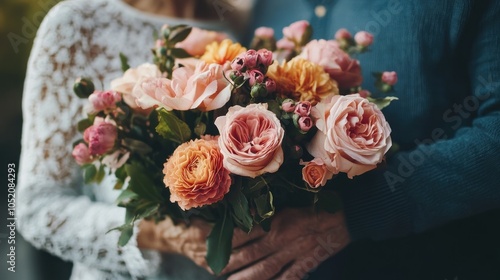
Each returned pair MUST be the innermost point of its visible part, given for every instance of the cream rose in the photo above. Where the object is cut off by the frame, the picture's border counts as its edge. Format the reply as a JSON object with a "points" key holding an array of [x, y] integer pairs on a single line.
{"points": [[250, 140], [353, 135]]}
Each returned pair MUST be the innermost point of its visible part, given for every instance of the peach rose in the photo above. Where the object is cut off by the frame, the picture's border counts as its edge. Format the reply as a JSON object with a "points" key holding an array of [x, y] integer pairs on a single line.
{"points": [[202, 87], [315, 173], [250, 140], [353, 134], [126, 83], [341, 67], [198, 40], [195, 174]]}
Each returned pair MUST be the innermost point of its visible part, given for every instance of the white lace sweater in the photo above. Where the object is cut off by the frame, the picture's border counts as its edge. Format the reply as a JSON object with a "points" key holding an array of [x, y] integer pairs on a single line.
{"points": [[78, 38]]}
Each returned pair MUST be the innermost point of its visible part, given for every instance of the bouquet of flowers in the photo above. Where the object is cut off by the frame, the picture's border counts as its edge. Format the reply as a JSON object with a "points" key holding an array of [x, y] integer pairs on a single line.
{"points": [[231, 135]]}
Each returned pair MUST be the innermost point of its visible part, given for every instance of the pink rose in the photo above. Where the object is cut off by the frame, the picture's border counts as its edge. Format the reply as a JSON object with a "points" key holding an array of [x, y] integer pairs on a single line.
{"points": [[305, 123], [103, 100], [250, 140], [203, 87], [264, 32], [101, 137], [270, 84], [238, 63], [288, 105], [81, 154], [363, 38], [254, 77], [285, 44], [297, 32], [343, 34], [390, 78], [303, 109], [198, 39], [126, 83], [353, 134], [251, 59], [315, 173], [265, 58], [341, 67]]}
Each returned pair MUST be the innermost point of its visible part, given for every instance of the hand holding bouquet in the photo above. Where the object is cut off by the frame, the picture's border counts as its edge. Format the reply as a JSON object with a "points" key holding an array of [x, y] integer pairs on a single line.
{"points": [[232, 135]]}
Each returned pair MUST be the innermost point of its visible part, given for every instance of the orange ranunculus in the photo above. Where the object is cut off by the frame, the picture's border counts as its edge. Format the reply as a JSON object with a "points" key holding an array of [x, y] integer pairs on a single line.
{"points": [[195, 174], [302, 80], [222, 52]]}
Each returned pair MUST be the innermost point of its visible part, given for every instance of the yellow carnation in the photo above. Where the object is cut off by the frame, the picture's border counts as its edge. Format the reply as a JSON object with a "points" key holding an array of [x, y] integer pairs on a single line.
{"points": [[222, 52], [302, 80]]}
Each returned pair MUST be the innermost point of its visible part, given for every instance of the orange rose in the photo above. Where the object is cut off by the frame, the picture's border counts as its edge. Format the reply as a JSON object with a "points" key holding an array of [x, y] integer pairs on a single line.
{"points": [[195, 174], [315, 173]]}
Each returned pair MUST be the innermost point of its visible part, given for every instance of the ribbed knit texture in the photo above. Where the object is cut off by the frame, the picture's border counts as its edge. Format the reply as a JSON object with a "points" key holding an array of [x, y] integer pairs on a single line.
{"points": [[447, 118]]}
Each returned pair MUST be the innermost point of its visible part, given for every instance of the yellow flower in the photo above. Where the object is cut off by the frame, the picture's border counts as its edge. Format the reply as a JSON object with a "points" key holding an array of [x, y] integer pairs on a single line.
{"points": [[222, 52], [302, 80]]}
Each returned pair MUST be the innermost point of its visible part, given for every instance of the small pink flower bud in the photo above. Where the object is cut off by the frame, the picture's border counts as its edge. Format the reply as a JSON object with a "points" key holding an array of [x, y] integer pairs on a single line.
{"points": [[390, 78], [238, 63], [343, 34], [264, 32], [363, 38], [288, 105], [251, 59], [285, 44], [270, 85], [297, 31], [364, 93], [265, 57], [81, 154], [303, 109], [101, 137], [104, 100], [255, 77], [305, 123]]}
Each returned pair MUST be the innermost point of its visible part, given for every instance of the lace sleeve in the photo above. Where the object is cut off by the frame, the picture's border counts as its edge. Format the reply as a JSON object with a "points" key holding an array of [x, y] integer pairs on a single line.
{"points": [[53, 214]]}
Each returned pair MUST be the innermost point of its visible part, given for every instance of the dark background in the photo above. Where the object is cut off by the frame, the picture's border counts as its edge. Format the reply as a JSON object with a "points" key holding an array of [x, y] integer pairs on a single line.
{"points": [[467, 249]]}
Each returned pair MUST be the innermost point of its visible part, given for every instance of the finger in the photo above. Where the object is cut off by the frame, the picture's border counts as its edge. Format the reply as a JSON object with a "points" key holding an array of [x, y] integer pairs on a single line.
{"points": [[249, 254], [266, 268], [240, 237]]}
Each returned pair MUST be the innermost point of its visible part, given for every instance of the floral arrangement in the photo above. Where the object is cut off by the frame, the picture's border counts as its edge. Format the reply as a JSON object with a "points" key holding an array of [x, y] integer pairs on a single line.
{"points": [[231, 135]]}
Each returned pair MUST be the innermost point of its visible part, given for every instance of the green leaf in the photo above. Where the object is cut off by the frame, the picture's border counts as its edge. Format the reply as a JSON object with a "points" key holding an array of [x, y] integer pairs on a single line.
{"points": [[179, 53], [142, 184], [89, 172], [179, 35], [125, 196], [329, 201], [264, 204], [126, 233], [124, 62], [172, 128], [219, 243], [84, 124], [382, 102], [200, 129], [241, 210], [136, 146], [100, 174]]}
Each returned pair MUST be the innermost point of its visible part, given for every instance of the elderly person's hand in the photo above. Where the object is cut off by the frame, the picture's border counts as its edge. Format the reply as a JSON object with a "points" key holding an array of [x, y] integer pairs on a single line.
{"points": [[298, 242]]}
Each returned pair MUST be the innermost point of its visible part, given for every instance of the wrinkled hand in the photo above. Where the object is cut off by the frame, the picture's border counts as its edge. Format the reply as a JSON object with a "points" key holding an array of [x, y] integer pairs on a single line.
{"points": [[298, 242], [189, 241]]}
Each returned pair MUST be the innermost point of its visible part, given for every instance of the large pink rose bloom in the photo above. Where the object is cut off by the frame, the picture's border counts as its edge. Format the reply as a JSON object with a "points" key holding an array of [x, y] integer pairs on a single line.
{"points": [[250, 140], [202, 87], [341, 67], [126, 83], [353, 134], [198, 39]]}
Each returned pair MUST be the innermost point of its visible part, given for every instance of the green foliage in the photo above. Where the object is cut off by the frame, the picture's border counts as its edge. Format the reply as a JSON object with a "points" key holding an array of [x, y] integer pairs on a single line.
{"points": [[172, 128], [219, 241], [124, 62], [382, 102]]}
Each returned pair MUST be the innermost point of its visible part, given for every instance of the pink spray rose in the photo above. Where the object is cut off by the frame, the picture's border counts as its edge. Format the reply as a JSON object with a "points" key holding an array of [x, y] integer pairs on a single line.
{"points": [[390, 78], [203, 87], [198, 39], [285, 44], [250, 140], [103, 100], [303, 109], [315, 173], [305, 123], [265, 57], [101, 136], [343, 34], [288, 105], [353, 134], [297, 31], [341, 67], [81, 154], [363, 38], [264, 32]]}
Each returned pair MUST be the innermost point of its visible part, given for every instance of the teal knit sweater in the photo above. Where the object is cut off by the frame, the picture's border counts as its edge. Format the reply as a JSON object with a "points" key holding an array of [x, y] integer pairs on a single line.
{"points": [[447, 118]]}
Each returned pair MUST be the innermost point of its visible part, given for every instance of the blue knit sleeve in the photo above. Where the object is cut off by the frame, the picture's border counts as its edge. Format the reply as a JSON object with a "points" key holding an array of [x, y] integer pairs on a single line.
{"points": [[454, 177]]}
